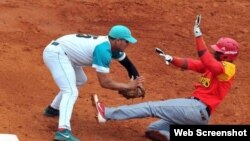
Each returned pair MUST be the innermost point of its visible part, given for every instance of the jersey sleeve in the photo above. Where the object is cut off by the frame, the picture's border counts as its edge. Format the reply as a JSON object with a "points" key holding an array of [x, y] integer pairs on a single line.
{"points": [[189, 64], [102, 58]]}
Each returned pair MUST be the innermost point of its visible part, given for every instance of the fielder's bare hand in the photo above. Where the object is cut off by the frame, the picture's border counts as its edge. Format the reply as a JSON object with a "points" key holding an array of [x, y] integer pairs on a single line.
{"points": [[134, 83]]}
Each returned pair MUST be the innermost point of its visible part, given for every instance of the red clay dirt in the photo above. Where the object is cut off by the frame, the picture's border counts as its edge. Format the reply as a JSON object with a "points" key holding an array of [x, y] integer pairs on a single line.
{"points": [[26, 87]]}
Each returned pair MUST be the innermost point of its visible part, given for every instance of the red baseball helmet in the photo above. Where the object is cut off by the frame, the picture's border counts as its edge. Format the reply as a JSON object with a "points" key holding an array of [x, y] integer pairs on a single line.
{"points": [[228, 47]]}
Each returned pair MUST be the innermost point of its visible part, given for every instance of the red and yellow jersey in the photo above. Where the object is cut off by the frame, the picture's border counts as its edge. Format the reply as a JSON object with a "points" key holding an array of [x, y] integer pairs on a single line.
{"points": [[216, 79], [211, 89]]}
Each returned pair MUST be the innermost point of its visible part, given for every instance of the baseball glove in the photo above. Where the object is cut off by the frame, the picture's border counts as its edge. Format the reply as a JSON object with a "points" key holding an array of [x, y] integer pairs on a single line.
{"points": [[133, 93]]}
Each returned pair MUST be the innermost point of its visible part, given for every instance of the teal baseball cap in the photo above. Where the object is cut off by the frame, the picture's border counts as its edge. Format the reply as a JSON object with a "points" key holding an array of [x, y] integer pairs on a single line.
{"points": [[122, 32]]}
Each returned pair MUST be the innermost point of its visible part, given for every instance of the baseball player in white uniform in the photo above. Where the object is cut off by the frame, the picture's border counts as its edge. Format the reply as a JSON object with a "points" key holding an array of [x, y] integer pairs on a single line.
{"points": [[65, 58]]}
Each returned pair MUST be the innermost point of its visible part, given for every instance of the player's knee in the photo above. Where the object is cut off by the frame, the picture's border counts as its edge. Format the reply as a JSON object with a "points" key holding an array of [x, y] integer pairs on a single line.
{"points": [[73, 91], [80, 83]]}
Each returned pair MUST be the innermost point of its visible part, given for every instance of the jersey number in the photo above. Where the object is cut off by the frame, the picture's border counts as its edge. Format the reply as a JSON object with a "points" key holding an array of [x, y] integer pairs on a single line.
{"points": [[86, 36]]}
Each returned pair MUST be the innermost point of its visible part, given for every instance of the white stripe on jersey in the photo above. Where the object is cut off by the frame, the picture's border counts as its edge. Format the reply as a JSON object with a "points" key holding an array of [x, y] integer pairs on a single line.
{"points": [[100, 68]]}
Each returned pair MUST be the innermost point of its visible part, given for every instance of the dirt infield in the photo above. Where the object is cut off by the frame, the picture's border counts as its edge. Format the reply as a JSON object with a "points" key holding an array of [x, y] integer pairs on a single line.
{"points": [[26, 87]]}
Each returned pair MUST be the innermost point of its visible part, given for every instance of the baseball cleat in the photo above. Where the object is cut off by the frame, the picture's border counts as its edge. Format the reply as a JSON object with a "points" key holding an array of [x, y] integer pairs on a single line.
{"points": [[65, 135], [100, 109], [51, 112]]}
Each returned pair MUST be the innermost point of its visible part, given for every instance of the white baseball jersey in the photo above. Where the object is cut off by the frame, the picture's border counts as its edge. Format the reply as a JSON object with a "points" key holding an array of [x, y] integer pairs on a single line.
{"points": [[89, 50]]}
